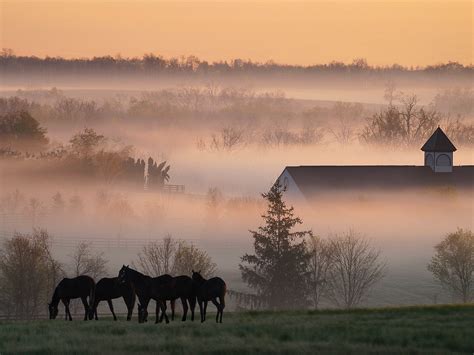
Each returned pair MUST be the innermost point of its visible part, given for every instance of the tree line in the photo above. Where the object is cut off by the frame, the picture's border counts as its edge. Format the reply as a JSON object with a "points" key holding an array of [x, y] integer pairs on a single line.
{"points": [[247, 118], [151, 62]]}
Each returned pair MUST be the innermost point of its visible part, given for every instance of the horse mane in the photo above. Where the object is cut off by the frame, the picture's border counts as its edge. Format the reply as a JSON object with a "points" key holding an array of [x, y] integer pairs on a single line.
{"points": [[136, 272]]}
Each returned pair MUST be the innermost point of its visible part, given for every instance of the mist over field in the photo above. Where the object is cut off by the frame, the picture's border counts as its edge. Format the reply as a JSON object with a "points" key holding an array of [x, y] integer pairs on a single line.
{"points": [[227, 144]]}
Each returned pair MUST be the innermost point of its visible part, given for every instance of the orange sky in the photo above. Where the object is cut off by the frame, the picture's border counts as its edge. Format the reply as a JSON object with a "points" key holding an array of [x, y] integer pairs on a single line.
{"points": [[405, 32]]}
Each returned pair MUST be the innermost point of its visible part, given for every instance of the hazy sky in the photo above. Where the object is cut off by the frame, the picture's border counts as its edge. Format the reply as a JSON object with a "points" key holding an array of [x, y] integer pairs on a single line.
{"points": [[404, 32]]}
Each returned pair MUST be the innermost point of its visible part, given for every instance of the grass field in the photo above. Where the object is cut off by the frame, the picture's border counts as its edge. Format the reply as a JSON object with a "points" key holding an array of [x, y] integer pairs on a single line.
{"points": [[432, 330]]}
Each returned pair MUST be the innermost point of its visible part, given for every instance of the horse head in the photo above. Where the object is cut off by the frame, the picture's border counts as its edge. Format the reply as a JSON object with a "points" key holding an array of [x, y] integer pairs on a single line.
{"points": [[197, 277], [123, 274], [53, 311]]}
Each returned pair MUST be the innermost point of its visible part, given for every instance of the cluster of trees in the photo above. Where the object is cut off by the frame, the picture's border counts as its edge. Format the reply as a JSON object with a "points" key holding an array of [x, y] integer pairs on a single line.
{"points": [[408, 124], [88, 153], [17, 208], [167, 106], [151, 63], [292, 270], [231, 137], [20, 131], [29, 271], [174, 257], [456, 101]]}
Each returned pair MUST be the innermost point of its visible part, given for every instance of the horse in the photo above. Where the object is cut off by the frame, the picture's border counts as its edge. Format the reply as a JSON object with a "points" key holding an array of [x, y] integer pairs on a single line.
{"points": [[145, 287], [79, 287], [110, 288], [181, 287], [209, 290]]}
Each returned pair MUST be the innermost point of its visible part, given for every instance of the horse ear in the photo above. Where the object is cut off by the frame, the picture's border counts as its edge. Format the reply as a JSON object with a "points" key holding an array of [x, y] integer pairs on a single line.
{"points": [[192, 271], [199, 271]]}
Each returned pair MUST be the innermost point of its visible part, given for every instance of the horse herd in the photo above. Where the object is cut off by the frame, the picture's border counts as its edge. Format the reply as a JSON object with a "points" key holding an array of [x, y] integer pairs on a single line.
{"points": [[131, 284]]}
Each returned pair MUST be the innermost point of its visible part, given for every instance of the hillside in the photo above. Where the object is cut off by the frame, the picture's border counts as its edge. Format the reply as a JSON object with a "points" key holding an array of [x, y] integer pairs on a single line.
{"points": [[435, 329]]}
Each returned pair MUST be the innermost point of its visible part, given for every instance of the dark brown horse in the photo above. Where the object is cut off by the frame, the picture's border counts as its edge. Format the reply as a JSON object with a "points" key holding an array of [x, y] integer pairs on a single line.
{"points": [[145, 287], [181, 287], [210, 290], [108, 289], [79, 287]]}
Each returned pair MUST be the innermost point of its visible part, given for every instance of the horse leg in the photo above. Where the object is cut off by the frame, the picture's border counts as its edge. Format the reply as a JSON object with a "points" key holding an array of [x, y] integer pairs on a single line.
{"points": [[68, 312], [94, 309], [157, 318], [86, 307], [201, 310], [222, 303], [192, 305], [111, 306], [144, 304], [185, 308], [205, 310], [65, 308], [172, 304], [163, 310], [218, 306], [130, 302]]}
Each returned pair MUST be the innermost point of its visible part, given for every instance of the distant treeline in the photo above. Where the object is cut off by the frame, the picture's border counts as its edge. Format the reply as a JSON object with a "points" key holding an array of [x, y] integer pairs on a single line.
{"points": [[151, 63]]}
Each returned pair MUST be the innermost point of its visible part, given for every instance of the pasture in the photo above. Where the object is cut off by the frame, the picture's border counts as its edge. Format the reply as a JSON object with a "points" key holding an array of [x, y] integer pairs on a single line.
{"points": [[430, 329]]}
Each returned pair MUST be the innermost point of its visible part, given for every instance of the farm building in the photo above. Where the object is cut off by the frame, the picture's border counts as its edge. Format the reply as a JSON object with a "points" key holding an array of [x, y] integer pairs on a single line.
{"points": [[306, 182]]}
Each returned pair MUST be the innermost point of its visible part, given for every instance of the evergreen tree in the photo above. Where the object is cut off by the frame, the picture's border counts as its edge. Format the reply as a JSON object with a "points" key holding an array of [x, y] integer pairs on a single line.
{"points": [[278, 269]]}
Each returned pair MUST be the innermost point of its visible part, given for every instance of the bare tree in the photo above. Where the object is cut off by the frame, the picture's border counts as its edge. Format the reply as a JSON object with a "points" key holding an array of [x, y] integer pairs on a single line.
{"points": [[157, 258], [214, 202], [356, 268], [87, 262], [453, 264], [173, 257], [390, 92], [228, 139], [343, 132], [58, 203], [403, 125], [35, 210], [28, 273], [319, 268], [188, 257]]}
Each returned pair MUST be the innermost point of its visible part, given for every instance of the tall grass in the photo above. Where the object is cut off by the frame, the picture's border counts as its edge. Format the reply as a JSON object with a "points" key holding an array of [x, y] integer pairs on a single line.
{"points": [[434, 330]]}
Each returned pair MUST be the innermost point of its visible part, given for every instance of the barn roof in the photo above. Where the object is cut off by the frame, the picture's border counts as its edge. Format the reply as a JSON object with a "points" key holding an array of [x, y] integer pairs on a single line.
{"points": [[314, 179], [438, 142]]}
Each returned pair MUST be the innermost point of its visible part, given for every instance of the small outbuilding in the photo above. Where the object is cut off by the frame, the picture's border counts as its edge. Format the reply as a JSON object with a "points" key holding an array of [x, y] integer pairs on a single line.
{"points": [[439, 152]]}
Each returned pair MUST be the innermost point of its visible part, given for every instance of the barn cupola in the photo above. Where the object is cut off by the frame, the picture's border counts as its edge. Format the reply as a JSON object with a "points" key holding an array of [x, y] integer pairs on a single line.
{"points": [[439, 152]]}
